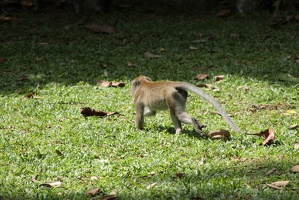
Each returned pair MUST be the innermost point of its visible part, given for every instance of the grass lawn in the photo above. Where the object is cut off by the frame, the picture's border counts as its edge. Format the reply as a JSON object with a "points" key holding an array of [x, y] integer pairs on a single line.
{"points": [[45, 138]]}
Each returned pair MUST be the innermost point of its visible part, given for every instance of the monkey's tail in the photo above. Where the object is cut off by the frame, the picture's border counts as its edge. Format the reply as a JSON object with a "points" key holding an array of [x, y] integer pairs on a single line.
{"points": [[192, 88]]}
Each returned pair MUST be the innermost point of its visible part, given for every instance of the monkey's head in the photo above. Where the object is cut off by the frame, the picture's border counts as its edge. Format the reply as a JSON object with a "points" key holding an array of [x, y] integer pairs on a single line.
{"points": [[137, 81]]}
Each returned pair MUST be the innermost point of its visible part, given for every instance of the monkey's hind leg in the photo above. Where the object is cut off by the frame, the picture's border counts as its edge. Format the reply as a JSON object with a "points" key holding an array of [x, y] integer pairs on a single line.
{"points": [[197, 125]]}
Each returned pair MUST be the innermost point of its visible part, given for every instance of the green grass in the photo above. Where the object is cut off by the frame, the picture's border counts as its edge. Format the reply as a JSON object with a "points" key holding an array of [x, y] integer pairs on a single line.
{"points": [[62, 63]]}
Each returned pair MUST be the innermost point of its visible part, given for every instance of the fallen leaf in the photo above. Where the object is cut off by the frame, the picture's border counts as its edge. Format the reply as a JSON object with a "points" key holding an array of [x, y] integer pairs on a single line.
{"points": [[33, 96], [87, 111], [27, 3], [209, 86], [273, 186], [267, 134], [224, 13], [296, 145], [118, 84], [23, 78], [162, 49], [289, 112], [100, 28], [152, 173], [295, 168], [34, 178], [277, 21], [6, 19], [201, 77], [193, 48], [105, 83], [219, 78], [151, 185], [294, 126], [271, 171], [51, 184], [180, 175], [131, 64], [58, 152], [199, 41], [93, 178], [109, 197], [219, 134], [280, 183], [150, 55], [3, 60], [93, 191], [124, 6], [29, 95], [105, 73], [235, 35]]}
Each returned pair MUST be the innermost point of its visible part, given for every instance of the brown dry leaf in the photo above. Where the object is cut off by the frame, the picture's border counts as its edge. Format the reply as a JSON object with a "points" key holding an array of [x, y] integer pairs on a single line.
{"points": [[289, 112], [27, 3], [152, 173], [3, 60], [200, 41], [271, 171], [295, 168], [296, 145], [151, 185], [209, 86], [219, 78], [34, 178], [290, 17], [224, 13], [268, 135], [105, 83], [58, 152], [201, 77], [180, 175], [278, 20], [87, 111], [93, 191], [193, 48], [51, 184], [109, 197], [294, 126], [6, 19], [23, 78], [131, 64], [105, 73], [100, 28], [235, 35], [273, 186], [280, 183], [150, 55], [29, 95], [118, 84], [219, 134]]}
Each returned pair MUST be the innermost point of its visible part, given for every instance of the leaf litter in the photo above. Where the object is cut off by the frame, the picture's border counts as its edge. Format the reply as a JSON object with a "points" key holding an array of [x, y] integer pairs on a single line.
{"points": [[87, 112], [267, 134]]}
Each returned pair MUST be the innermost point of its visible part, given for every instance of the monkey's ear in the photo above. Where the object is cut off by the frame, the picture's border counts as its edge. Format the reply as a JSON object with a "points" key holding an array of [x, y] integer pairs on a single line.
{"points": [[136, 83]]}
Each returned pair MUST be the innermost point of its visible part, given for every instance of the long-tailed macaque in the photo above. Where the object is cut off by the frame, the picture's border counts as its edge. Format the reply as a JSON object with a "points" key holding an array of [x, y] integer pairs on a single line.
{"points": [[151, 96]]}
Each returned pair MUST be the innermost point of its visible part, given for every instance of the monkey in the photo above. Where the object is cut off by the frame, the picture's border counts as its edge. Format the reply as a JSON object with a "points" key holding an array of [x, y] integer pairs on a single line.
{"points": [[149, 97]]}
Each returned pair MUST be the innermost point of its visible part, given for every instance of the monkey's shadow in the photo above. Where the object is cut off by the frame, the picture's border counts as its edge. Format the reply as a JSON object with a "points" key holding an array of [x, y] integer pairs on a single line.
{"points": [[190, 133]]}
